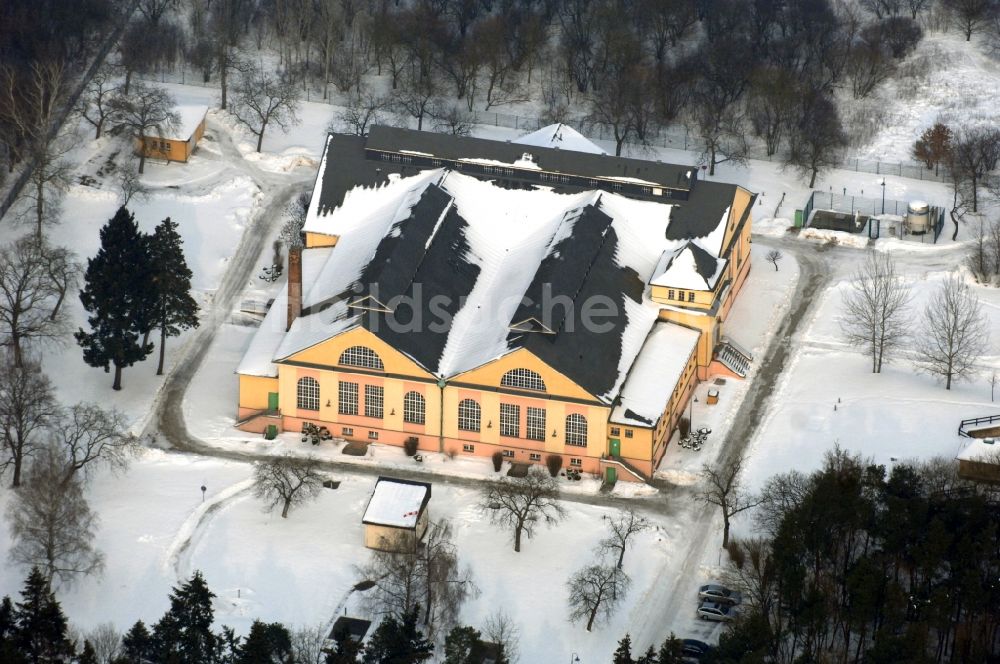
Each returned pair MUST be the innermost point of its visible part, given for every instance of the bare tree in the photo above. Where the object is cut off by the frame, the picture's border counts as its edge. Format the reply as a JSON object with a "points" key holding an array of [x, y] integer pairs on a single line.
{"points": [[817, 139], [227, 22], [975, 152], [621, 528], [106, 642], [52, 525], [29, 297], [993, 385], [753, 573], [955, 333], [773, 256], [723, 488], [130, 185], [27, 407], [969, 16], [501, 629], [415, 98], [595, 591], [94, 105], [89, 436], [263, 99], [875, 308], [520, 503], [361, 112], [450, 119], [286, 481], [64, 274], [308, 644], [145, 111]]}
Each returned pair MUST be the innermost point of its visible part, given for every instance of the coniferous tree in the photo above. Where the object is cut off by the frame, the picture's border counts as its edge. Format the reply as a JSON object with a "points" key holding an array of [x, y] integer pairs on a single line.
{"points": [[398, 642], [87, 655], [39, 624], [8, 649], [649, 658], [116, 281], [174, 309], [267, 643], [345, 650], [623, 655], [671, 652], [137, 644], [463, 645], [184, 634]]}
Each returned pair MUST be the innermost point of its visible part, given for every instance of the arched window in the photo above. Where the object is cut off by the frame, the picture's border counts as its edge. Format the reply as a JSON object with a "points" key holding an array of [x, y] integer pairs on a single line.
{"points": [[576, 430], [413, 408], [307, 394], [469, 415], [524, 379], [360, 356]]}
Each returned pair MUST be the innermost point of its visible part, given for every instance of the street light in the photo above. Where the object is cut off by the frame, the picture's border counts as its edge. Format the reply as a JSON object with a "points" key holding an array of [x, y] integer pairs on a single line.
{"points": [[691, 404], [574, 658], [883, 195]]}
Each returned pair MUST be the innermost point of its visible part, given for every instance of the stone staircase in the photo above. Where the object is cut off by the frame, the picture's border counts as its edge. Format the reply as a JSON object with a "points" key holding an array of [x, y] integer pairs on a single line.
{"points": [[734, 357]]}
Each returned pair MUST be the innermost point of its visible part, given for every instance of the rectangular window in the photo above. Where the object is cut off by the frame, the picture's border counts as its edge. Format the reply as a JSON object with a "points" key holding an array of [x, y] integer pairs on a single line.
{"points": [[690, 297], [575, 462], [347, 431], [347, 398], [508, 453], [373, 401], [680, 295], [670, 294], [373, 435], [468, 448], [615, 431], [510, 420], [536, 423], [534, 457], [628, 433]]}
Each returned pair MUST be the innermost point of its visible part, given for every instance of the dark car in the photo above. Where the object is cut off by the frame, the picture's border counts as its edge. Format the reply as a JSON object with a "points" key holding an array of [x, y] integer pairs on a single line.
{"points": [[719, 594], [693, 649], [716, 612]]}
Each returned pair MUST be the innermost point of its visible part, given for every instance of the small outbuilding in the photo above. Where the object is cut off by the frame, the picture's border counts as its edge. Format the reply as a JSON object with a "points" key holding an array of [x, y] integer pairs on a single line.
{"points": [[178, 142], [346, 628], [396, 517], [979, 461]]}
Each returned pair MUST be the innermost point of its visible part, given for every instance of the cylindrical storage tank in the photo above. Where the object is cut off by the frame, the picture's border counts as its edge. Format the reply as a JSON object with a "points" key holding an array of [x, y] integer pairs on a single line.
{"points": [[918, 217]]}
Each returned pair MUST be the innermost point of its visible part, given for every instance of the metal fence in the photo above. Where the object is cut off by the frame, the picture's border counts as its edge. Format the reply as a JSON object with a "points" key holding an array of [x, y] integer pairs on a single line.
{"points": [[863, 205]]}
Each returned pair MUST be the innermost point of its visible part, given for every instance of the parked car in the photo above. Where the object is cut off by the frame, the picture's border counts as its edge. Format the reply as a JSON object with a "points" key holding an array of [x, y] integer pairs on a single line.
{"points": [[693, 650], [719, 594], [716, 612]]}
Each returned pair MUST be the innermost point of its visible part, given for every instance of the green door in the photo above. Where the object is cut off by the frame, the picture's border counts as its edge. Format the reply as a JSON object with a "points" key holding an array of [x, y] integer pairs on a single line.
{"points": [[611, 476], [616, 447], [272, 401]]}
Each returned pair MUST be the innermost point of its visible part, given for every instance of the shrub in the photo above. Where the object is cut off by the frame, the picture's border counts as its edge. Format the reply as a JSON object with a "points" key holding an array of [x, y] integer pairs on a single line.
{"points": [[554, 463], [410, 446], [684, 424], [497, 461], [451, 453]]}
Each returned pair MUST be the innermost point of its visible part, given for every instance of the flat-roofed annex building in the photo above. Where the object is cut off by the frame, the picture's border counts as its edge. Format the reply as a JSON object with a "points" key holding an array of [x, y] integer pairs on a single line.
{"points": [[484, 296]]}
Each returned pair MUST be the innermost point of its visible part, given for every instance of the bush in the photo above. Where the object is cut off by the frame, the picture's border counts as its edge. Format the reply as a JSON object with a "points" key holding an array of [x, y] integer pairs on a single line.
{"points": [[684, 424], [497, 461], [554, 463], [451, 453], [410, 446]]}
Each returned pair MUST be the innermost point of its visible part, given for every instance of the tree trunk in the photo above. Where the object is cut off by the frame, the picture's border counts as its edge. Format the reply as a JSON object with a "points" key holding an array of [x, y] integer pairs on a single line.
{"points": [[517, 539], [145, 338], [163, 344], [621, 554], [260, 137], [15, 342], [16, 481], [39, 206], [222, 76], [142, 159], [59, 302], [284, 510], [725, 529], [812, 180], [593, 614], [128, 82], [711, 165], [117, 385]]}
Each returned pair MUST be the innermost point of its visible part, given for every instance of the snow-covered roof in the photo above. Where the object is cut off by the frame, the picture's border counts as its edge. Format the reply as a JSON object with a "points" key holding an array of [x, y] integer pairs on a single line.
{"points": [[654, 375], [981, 449], [396, 503], [689, 267], [188, 119], [559, 136]]}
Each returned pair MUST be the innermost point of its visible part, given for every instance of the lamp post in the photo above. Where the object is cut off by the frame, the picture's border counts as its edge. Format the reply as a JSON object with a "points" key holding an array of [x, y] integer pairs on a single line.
{"points": [[883, 195], [574, 658], [694, 400]]}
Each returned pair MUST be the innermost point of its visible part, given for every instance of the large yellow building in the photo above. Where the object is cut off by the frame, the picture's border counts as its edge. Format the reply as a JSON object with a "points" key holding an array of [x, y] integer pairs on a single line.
{"points": [[482, 296]]}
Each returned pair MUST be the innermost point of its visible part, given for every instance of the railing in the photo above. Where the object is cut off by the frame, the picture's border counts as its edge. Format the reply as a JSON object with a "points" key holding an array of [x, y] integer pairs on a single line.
{"points": [[965, 425]]}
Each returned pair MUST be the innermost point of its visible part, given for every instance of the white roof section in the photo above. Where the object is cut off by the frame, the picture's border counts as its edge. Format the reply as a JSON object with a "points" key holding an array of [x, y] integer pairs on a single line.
{"points": [[559, 136], [978, 449], [395, 504], [654, 375], [679, 269], [189, 117]]}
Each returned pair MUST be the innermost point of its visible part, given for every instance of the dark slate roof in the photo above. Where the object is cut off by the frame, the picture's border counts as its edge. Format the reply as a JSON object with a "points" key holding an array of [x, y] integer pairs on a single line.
{"points": [[705, 263], [700, 214], [354, 628]]}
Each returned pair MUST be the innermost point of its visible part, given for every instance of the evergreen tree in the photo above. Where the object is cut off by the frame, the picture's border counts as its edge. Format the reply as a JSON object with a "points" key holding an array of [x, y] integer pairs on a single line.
{"points": [[137, 644], [623, 655], [184, 634], [8, 647], [396, 642], [174, 309], [267, 643], [87, 655], [649, 658], [671, 652], [117, 282], [463, 645], [345, 650], [39, 624]]}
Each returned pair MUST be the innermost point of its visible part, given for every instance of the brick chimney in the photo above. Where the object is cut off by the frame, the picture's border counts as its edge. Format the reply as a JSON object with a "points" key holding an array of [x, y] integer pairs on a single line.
{"points": [[294, 285]]}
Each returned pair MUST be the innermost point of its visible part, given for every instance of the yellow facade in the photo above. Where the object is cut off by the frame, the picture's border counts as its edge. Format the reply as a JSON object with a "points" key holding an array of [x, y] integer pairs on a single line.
{"points": [[320, 240]]}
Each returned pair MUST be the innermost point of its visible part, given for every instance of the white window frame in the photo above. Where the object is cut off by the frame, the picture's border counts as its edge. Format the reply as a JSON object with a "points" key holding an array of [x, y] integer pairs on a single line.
{"points": [[468, 448], [510, 420], [346, 431], [374, 401], [574, 461], [373, 435], [523, 379], [307, 393], [347, 398], [470, 415], [509, 454], [362, 357], [534, 456], [535, 423], [576, 430], [628, 433], [414, 408]]}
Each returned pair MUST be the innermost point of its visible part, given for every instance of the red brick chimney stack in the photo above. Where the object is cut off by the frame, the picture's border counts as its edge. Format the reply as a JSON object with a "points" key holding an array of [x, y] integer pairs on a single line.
{"points": [[294, 285]]}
